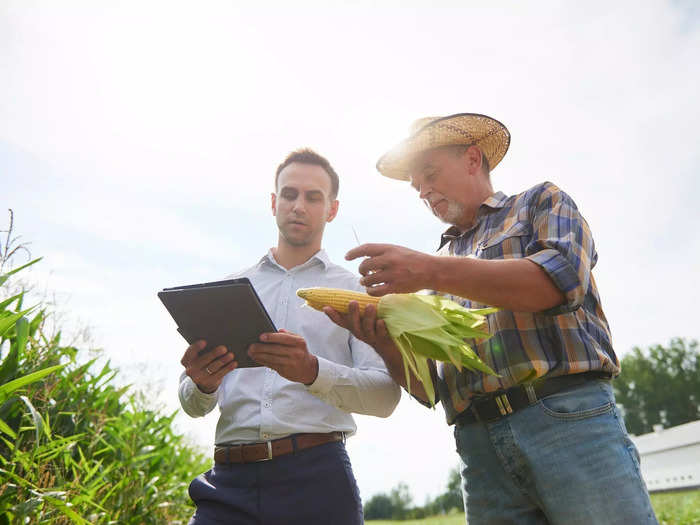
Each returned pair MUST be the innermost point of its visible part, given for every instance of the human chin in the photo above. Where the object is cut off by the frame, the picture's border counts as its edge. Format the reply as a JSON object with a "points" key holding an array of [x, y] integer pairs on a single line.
{"points": [[296, 238], [452, 213]]}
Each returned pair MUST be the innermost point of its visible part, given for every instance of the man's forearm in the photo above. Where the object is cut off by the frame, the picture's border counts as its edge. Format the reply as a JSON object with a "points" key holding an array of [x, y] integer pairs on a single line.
{"points": [[395, 367], [514, 284]]}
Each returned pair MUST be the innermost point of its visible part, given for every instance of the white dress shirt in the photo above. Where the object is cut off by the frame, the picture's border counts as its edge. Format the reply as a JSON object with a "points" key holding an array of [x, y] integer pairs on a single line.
{"points": [[257, 404]]}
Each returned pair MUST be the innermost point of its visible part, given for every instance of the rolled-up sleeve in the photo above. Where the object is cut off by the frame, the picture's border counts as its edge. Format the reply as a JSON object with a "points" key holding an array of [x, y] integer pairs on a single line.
{"points": [[364, 388], [194, 402], [562, 245]]}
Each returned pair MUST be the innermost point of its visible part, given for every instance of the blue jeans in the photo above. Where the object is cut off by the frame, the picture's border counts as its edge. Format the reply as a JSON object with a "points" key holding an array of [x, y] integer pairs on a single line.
{"points": [[312, 486], [566, 459]]}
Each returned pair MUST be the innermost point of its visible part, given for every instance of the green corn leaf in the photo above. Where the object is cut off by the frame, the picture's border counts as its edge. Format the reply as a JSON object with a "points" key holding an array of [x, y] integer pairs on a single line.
{"points": [[5, 276], [22, 329], [36, 322], [8, 302], [4, 427], [65, 509], [9, 321], [39, 426], [9, 387], [433, 327]]}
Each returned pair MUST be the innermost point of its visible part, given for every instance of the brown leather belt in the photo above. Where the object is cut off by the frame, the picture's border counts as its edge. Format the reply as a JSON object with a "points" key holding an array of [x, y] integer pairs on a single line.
{"points": [[496, 405], [249, 453]]}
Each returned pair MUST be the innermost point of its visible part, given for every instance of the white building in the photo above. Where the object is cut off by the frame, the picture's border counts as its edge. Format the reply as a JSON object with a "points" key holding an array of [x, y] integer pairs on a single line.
{"points": [[670, 457]]}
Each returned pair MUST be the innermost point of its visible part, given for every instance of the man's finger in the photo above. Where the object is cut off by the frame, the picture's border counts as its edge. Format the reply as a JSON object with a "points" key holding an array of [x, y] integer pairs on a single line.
{"points": [[379, 290], [336, 317], [269, 359], [355, 319], [374, 278], [366, 250], [263, 348], [372, 264], [368, 322], [219, 363], [226, 369], [281, 338], [193, 351], [209, 357], [382, 329]]}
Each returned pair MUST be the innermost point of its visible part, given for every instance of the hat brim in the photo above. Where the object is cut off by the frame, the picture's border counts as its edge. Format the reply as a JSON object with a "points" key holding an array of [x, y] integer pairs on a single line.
{"points": [[487, 133]]}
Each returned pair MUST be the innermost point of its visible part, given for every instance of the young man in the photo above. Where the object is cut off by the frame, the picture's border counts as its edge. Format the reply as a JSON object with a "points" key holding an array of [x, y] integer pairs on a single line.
{"points": [[542, 442], [280, 454]]}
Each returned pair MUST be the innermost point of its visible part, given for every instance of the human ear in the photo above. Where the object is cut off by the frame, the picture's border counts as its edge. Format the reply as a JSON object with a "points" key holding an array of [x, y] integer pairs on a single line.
{"points": [[273, 203], [473, 159], [333, 211]]}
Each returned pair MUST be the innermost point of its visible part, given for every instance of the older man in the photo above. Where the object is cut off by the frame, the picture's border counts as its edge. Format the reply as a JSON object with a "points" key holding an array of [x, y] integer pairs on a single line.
{"points": [[542, 442]]}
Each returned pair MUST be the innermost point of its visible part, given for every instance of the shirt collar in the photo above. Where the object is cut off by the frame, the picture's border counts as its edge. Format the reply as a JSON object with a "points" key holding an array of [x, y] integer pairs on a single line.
{"points": [[320, 256], [495, 201]]}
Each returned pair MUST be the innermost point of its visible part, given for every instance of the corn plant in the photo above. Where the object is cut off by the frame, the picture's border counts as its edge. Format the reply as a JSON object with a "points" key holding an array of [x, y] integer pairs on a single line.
{"points": [[74, 448]]}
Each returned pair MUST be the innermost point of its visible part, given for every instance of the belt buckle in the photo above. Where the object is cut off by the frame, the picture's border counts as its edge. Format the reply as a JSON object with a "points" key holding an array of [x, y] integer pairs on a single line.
{"points": [[503, 404], [269, 453]]}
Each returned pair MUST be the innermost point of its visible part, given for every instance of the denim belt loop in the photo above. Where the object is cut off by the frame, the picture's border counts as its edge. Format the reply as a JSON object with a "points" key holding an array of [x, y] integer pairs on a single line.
{"points": [[530, 391]]}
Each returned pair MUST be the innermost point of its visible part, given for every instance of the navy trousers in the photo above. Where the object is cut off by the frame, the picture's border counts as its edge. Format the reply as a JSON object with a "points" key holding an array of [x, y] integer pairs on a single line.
{"points": [[312, 486]]}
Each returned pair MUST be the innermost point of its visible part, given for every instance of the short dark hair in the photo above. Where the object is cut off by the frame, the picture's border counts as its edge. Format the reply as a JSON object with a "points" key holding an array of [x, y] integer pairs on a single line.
{"points": [[309, 156]]}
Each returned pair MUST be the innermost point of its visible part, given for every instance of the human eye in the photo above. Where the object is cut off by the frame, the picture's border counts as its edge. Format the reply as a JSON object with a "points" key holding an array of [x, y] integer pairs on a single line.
{"points": [[289, 194]]}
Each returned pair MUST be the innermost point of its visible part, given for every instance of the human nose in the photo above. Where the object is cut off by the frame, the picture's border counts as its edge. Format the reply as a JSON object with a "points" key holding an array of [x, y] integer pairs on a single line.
{"points": [[298, 205], [423, 191]]}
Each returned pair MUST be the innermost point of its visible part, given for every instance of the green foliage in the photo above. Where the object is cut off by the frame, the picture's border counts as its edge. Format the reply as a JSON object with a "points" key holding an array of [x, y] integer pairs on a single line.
{"points": [[677, 508], [397, 504], [73, 447], [379, 507], [660, 385], [671, 508], [450, 500]]}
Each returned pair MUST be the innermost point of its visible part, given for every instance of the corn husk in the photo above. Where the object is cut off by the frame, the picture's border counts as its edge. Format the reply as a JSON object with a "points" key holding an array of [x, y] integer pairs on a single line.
{"points": [[432, 327], [422, 326]]}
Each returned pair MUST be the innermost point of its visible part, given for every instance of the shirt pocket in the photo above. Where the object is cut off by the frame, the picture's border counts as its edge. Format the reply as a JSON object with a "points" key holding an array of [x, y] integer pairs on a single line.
{"points": [[509, 244]]}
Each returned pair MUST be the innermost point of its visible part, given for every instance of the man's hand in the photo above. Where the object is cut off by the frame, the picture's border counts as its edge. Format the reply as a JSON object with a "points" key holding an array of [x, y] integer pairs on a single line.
{"points": [[287, 354], [373, 331], [366, 328], [207, 370], [392, 269]]}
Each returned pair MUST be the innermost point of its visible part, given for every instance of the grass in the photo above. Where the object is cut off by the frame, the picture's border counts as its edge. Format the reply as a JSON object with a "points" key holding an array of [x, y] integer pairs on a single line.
{"points": [[677, 507], [455, 519], [672, 508]]}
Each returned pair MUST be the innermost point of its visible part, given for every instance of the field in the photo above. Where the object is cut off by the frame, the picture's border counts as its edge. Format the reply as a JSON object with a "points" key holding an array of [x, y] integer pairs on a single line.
{"points": [[673, 508]]}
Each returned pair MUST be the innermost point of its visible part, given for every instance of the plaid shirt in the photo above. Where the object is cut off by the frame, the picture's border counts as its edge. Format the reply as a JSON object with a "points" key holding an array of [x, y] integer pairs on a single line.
{"points": [[543, 225]]}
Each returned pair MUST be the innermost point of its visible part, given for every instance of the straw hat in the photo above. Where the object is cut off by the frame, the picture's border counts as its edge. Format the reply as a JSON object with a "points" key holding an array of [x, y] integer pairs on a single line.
{"points": [[491, 136]]}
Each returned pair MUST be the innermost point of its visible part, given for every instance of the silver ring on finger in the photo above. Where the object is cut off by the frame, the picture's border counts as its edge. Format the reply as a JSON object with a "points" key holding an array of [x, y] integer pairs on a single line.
{"points": [[208, 371]]}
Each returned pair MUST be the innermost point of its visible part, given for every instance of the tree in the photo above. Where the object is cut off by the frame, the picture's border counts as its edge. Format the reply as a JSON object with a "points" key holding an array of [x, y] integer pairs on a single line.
{"points": [[401, 501], [395, 505], [379, 507], [450, 499], [660, 385]]}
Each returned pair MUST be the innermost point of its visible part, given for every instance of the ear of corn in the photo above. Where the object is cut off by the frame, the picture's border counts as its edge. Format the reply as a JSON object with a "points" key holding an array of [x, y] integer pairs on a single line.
{"points": [[336, 298], [423, 327]]}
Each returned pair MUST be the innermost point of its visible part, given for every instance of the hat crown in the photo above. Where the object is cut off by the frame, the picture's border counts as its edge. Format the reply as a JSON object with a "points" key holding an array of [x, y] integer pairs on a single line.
{"points": [[421, 123], [426, 133]]}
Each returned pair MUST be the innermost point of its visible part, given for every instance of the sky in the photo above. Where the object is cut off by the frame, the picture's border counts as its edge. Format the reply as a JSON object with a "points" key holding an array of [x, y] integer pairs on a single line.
{"points": [[138, 143]]}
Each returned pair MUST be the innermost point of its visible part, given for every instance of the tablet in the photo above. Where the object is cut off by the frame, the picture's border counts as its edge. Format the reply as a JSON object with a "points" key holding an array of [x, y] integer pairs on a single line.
{"points": [[227, 313]]}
